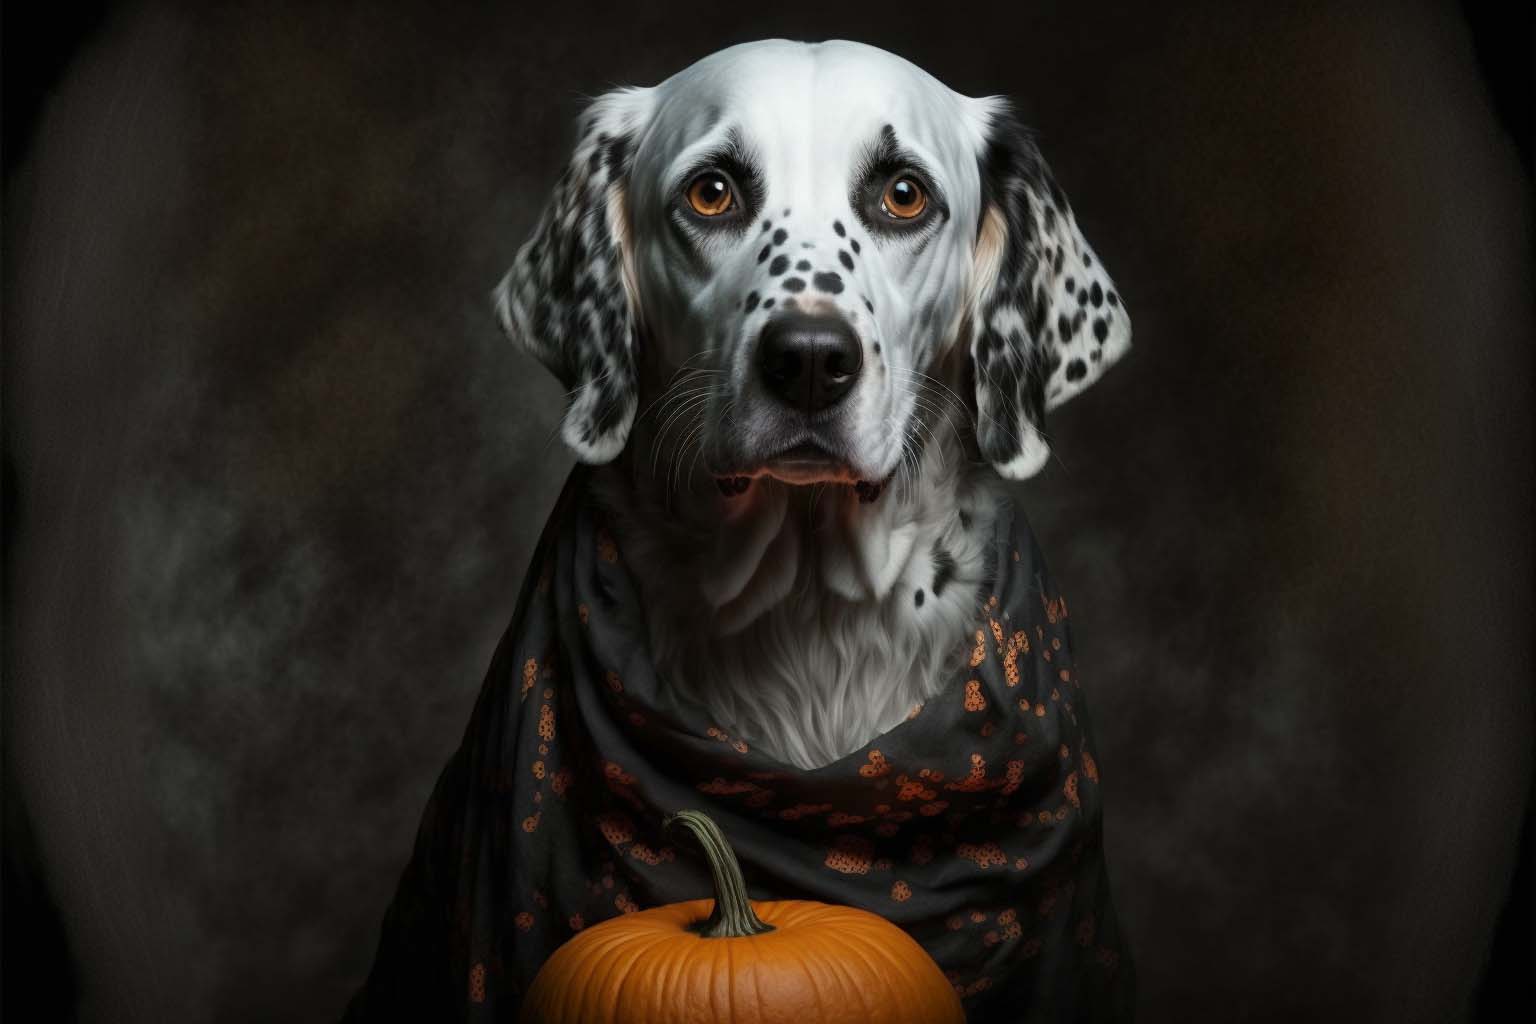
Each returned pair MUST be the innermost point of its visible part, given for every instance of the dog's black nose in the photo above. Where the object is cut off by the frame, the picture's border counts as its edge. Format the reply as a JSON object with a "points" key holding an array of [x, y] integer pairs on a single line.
{"points": [[809, 361]]}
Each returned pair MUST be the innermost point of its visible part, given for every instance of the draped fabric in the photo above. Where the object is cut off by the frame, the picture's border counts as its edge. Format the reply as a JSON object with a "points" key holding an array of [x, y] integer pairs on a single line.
{"points": [[974, 824]]}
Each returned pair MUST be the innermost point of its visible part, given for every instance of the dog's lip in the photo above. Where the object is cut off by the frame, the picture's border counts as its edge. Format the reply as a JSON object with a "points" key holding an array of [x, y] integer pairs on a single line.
{"points": [[805, 462]]}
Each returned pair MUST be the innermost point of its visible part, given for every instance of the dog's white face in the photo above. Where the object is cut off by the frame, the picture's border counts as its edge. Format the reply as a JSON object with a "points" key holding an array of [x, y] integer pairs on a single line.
{"points": [[805, 231]]}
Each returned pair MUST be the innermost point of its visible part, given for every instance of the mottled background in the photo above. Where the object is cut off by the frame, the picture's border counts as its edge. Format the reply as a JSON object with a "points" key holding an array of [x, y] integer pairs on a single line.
{"points": [[272, 476]]}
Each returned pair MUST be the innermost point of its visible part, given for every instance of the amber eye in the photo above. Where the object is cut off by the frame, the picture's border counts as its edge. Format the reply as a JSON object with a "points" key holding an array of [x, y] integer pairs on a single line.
{"points": [[903, 199], [710, 194]]}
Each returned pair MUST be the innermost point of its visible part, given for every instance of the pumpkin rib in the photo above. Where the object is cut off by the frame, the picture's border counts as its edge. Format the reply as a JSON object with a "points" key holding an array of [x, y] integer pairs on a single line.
{"points": [[846, 947]]}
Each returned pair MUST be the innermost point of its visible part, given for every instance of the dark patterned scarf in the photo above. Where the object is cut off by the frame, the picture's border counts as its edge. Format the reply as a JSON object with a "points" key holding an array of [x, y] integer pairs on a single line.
{"points": [[974, 825]]}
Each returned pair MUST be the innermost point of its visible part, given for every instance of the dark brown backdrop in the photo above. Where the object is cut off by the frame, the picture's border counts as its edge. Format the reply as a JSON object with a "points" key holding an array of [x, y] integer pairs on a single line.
{"points": [[273, 476]]}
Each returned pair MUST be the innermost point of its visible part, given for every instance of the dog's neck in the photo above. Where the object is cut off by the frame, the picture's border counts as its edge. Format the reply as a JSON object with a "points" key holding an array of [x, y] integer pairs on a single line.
{"points": [[809, 618]]}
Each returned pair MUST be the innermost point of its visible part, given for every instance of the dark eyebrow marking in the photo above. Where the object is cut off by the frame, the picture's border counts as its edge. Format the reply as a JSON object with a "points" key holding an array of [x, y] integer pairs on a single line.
{"points": [[736, 158], [884, 157]]}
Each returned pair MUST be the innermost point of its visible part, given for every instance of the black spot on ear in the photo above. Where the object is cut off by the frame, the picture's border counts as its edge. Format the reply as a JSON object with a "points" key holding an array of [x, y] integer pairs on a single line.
{"points": [[1097, 295], [1096, 354], [1064, 327], [1058, 198], [1077, 370], [764, 254], [779, 236], [1100, 329], [803, 266], [1082, 297], [794, 284], [828, 282], [944, 563], [917, 598], [845, 260], [779, 265], [618, 149], [751, 301], [1071, 287], [1087, 259], [1112, 298], [837, 226], [767, 304], [853, 243]]}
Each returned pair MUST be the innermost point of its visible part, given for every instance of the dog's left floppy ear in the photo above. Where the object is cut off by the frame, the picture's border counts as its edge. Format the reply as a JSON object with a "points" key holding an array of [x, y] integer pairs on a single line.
{"points": [[1046, 320], [568, 298]]}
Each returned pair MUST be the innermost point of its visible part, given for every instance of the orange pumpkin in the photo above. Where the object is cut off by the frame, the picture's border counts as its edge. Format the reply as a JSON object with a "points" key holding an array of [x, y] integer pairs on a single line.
{"points": [[740, 961]]}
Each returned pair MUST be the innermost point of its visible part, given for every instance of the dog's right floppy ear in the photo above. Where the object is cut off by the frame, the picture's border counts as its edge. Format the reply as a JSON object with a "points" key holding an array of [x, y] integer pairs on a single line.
{"points": [[569, 298], [1046, 321]]}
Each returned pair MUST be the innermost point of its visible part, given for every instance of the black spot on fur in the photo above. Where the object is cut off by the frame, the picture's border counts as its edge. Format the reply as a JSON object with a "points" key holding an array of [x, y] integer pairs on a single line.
{"points": [[752, 298], [1112, 299], [869, 305], [829, 282], [779, 265], [877, 348], [803, 266], [845, 260], [1064, 327], [1100, 328], [837, 226], [618, 149], [794, 284], [853, 243], [1077, 370], [917, 598], [767, 225], [779, 236], [786, 211], [767, 304], [764, 254], [1071, 287], [944, 564], [1087, 259], [1097, 296]]}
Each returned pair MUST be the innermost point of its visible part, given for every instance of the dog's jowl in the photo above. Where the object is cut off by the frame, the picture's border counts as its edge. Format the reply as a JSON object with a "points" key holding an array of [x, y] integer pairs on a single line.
{"points": [[811, 308]]}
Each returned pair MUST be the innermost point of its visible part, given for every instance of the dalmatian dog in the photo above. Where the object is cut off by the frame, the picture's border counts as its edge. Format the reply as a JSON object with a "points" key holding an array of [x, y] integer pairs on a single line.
{"points": [[811, 307]]}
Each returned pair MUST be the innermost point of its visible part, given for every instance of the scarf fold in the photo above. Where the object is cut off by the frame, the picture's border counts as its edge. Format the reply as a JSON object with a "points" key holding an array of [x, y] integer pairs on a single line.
{"points": [[974, 824]]}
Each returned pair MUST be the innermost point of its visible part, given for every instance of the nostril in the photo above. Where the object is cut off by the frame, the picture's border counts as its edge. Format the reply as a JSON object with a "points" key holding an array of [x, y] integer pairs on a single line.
{"points": [[782, 363], [838, 364]]}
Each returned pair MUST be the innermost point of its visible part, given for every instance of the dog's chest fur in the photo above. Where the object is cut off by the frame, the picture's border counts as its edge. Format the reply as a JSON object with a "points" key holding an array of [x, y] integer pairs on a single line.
{"points": [[809, 622]]}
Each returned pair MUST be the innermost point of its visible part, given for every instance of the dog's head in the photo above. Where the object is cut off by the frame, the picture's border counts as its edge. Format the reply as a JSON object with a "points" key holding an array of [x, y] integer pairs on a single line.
{"points": [[808, 230]]}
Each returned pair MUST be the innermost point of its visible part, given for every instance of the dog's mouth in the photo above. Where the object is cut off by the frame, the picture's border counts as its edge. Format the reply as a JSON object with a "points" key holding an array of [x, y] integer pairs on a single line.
{"points": [[801, 465]]}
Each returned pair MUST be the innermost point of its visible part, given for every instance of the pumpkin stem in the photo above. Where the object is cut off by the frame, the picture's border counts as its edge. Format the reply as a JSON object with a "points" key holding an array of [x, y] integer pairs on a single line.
{"points": [[732, 916]]}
